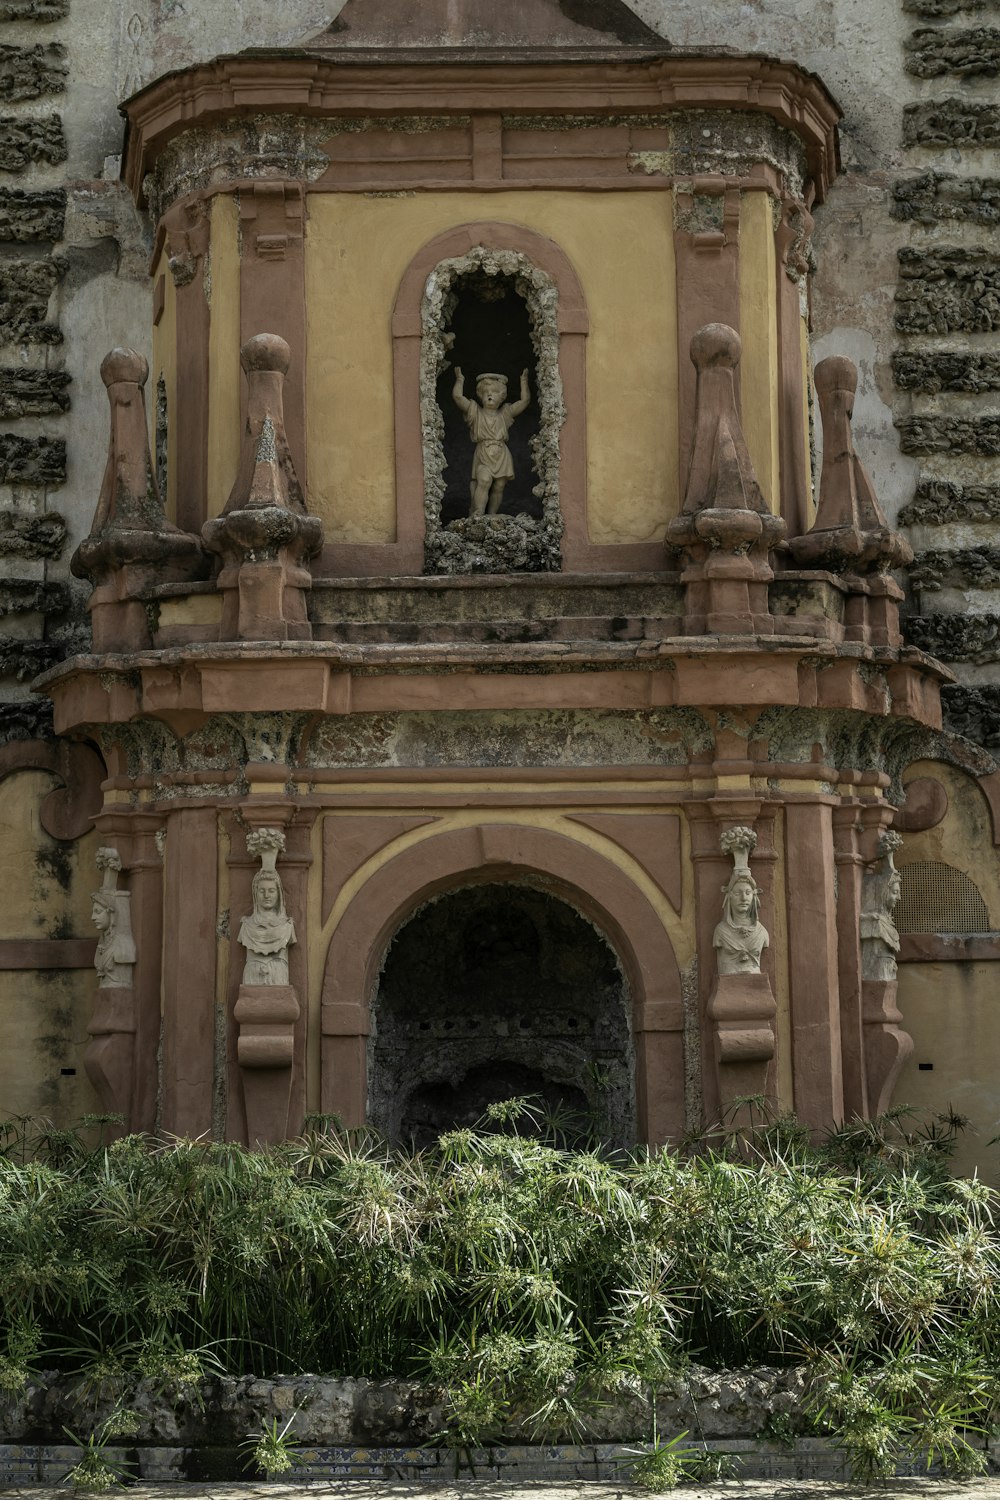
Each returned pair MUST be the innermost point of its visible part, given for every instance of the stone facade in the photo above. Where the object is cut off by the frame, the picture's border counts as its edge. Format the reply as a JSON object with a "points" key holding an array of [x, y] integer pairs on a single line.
{"points": [[209, 237]]}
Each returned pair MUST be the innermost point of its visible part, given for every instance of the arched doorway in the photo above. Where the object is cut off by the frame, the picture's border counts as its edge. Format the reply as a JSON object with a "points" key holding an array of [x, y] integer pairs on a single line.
{"points": [[493, 991]]}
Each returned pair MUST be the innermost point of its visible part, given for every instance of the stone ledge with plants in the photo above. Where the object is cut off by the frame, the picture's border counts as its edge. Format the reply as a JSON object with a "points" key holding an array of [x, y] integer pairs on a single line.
{"points": [[507, 1287]]}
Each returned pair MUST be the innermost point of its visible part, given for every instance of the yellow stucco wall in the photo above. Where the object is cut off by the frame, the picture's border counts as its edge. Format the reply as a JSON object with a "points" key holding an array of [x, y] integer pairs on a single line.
{"points": [[759, 333], [952, 1010], [45, 887], [621, 246]]}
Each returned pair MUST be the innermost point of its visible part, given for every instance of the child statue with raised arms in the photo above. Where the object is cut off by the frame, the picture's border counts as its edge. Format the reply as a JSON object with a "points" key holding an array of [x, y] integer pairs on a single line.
{"points": [[489, 420]]}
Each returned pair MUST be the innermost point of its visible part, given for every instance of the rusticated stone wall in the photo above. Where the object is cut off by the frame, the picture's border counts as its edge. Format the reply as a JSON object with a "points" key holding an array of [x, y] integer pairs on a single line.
{"points": [[946, 366], [34, 379]]}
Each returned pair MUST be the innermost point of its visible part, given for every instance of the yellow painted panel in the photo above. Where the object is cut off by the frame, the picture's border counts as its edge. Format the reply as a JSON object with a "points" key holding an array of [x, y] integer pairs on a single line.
{"points": [[953, 1014], [191, 609], [165, 365], [759, 332], [621, 245], [963, 838], [225, 375], [43, 1029], [45, 884]]}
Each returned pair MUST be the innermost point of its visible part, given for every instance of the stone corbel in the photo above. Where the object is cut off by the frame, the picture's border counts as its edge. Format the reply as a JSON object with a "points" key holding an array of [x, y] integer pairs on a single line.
{"points": [[265, 1048], [264, 535], [131, 545], [186, 227], [272, 215], [725, 531]]}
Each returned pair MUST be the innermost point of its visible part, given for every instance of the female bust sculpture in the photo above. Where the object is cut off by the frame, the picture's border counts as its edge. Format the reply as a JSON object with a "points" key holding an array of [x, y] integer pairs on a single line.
{"points": [[267, 932], [740, 938], [111, 914]]}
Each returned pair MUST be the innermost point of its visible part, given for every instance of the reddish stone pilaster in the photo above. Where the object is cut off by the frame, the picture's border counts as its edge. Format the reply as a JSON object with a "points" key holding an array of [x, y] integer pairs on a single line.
{"points": [[134, 836], [187, 228], [791, 241], [850, 869], [273, 290], [812, 963], [190, 901], [707, 259]]}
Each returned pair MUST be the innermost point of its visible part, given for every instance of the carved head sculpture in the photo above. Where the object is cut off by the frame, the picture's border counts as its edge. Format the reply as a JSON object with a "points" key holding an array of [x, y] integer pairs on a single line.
{"points": [[741, 893], [882, 885], [268, 893], [491, 390]]}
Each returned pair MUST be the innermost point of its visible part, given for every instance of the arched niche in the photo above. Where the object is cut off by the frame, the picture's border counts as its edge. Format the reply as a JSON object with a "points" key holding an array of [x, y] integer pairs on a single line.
{"points": [[497, 852], [563, 400], [494, 990]]}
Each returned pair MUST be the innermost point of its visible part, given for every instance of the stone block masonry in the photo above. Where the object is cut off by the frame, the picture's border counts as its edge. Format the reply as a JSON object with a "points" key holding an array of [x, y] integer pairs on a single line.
{"points": [[34, 390]]}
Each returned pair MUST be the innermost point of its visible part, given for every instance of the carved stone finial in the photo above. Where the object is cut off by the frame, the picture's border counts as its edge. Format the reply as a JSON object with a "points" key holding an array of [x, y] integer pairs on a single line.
{"points": [[131, 543], [851, 535], [725, 530], [740, 938], [264, 535]]}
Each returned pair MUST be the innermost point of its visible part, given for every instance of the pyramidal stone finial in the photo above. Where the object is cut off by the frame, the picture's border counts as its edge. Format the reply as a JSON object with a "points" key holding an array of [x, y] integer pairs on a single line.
{"points": [[132, 546], [851, 535], [264, 534], [725, 530]]}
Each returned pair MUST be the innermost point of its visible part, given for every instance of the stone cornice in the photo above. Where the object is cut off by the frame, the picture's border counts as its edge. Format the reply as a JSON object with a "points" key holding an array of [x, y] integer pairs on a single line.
{"points": [[307, 84]]}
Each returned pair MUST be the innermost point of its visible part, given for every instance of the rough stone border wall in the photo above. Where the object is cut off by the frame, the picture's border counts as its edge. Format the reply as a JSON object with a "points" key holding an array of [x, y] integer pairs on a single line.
{"points": [[34, 398], [946, 365], [517, 543]]}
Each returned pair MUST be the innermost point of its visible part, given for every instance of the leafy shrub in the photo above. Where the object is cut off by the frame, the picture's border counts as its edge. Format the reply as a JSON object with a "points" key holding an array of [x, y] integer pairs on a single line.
{"points": [[528, 1280]]}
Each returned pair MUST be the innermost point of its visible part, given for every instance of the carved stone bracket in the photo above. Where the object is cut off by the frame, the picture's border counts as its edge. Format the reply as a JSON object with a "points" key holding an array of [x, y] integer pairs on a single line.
{"points": [[851, 535], [264, 535], [131, 545], [725, 531]]}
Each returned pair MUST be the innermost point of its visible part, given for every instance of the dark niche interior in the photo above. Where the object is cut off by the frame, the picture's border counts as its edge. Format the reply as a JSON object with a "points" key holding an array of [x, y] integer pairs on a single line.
{"points": [[491, 331], [497, 991]]}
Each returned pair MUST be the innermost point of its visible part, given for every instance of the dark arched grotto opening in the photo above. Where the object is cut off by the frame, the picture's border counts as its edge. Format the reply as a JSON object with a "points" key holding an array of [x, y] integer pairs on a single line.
{"points": [[495, 991]]}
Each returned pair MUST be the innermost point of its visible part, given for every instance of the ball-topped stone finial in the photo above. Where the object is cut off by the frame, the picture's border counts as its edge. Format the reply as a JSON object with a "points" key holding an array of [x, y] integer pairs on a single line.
{"points": [[716, 345], [266, 351], [836, 373], [124, 366]]}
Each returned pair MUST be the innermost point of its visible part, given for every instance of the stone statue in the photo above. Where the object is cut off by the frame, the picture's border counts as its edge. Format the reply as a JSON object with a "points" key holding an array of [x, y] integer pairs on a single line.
{"points": [[267, 933], [740, 938], [489, 420], [111, 914], [880, 893]]}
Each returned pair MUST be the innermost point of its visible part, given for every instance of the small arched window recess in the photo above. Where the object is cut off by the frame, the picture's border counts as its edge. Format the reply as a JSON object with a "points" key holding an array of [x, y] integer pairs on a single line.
{"points": [[937, 898]]}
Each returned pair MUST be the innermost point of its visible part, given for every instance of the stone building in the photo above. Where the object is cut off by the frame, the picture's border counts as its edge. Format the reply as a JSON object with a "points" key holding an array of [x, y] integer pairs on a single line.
{"points": [[534, 633]]}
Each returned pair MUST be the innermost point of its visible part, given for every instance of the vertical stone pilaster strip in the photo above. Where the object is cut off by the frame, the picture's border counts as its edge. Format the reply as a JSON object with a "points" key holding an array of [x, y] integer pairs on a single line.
{"points": [[708, 287], [187, 240], [812, 964], [189, 968], [272, 291]]}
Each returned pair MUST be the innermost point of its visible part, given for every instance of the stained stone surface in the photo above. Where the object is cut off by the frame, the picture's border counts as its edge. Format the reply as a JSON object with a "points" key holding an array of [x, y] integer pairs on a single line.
{"points": [[28, 216], [29, 139], [32, 72]]}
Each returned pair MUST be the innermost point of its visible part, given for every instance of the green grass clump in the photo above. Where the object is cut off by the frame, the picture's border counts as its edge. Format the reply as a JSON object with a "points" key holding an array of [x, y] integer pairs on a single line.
{"points": [[529, 1280]]}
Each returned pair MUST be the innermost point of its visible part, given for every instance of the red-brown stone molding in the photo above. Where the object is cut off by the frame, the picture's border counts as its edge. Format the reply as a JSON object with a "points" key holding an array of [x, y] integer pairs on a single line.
{"points": [[504, 851], [312, 85]]}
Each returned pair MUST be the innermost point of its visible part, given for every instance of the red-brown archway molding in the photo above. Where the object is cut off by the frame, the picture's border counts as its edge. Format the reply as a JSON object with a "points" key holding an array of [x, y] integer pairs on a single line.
{"points": [[503, 851]]}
